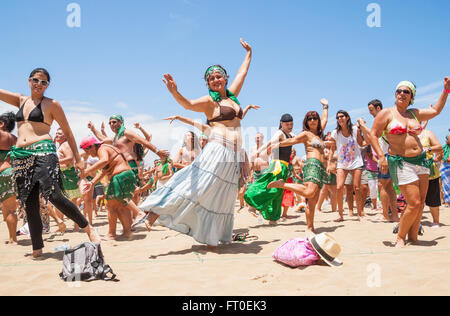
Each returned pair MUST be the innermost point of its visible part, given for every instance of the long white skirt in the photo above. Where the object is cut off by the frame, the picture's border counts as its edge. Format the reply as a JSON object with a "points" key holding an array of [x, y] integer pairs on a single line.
{"points": [[199, 200]]}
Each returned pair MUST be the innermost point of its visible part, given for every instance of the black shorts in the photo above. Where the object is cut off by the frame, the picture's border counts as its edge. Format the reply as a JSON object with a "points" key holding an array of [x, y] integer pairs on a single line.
{"points": [[434, 194], [98, 190]]}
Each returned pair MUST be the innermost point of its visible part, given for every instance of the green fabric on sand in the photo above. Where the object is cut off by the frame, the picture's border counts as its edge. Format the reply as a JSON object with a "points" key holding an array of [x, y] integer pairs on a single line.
{"points": [[121, 187], [267, 201]]}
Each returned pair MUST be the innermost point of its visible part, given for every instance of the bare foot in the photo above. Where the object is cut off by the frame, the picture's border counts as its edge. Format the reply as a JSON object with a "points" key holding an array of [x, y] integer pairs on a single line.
{"points": [[253, 212], [400, 243], [61, 228], [276, 184], [12, 242], [141, 219], [127, 236], [36, 254], [339, 219], [93, 234], [273, 223], [111, 237]]}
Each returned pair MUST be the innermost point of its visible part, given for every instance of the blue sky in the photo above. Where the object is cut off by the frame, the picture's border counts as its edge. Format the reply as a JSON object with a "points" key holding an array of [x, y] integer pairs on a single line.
{"points": [[302, 51]]}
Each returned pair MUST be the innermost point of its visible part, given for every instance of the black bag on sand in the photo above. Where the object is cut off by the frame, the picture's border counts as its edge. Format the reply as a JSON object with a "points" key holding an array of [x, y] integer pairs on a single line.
{"points": [[85, 262]]}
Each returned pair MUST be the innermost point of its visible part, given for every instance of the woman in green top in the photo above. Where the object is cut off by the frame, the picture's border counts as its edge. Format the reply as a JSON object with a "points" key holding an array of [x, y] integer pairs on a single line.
{"points": [[34, 159], [7, 191], [407, 160]]}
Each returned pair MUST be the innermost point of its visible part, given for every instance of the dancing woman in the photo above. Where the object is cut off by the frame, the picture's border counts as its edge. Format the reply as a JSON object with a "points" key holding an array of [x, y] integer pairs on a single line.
{"points": [[407, 161], [34, 158], [7, 186], [199, 199], [347, 140], [314, 172]]}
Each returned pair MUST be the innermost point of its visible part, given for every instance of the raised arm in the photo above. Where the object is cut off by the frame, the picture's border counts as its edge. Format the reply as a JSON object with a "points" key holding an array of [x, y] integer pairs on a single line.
{"points": [[100, 136], [435, 110], [189, 121], [202, 105], [138, 139], [147, 136], [10, 97], [251, 106], [60, 117], [238, 82], [324, 118]]}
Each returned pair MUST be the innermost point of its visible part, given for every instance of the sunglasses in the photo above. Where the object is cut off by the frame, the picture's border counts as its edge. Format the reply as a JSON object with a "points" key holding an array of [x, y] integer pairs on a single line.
{"points": [[405, 91], [312, 119], [42, 82], [340, 117]]}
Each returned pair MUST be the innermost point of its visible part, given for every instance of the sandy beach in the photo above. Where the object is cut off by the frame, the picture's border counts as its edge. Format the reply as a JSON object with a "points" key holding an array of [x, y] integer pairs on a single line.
{"points": [[164, 262]]}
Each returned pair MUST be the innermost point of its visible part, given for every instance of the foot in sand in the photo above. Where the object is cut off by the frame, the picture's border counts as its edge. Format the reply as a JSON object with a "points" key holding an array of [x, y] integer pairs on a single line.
{"points": [[36, 254], [253, 212], [273, 223], [339, 219], [276, 184], [400, 244], [61, 228], [93, 234]]}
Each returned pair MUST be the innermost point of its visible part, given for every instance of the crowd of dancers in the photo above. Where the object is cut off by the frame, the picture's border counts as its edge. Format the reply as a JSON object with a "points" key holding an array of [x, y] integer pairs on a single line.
{"points": [[194, 190]]}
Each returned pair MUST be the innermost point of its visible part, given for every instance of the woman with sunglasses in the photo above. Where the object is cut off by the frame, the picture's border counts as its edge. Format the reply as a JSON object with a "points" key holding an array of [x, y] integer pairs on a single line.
{"points": [[199, 199], [34, 158], [314, 171], [406, 158], [347, 140]]}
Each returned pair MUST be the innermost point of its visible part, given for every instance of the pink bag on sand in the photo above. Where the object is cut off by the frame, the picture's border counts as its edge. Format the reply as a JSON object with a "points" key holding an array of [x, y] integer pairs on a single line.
{"points": [[296, 252]]}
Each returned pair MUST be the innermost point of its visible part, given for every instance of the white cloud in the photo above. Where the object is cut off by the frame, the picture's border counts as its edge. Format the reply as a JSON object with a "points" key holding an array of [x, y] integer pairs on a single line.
{"points": [[122, 105]]}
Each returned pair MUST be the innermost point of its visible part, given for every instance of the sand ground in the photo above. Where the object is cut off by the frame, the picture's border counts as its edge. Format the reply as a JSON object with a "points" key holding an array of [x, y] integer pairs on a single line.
{"points": [[165, 262]]}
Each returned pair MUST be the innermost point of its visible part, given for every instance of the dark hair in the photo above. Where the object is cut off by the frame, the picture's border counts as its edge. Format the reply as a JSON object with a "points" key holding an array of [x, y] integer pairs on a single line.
{"points": [[349, 122], [139, 151], [376, 103], [9, 118], [42, 71], [306, 125]]}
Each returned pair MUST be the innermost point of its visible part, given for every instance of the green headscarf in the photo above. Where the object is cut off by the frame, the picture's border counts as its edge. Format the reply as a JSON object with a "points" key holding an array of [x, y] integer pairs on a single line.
{"points": [[122, 127], [165, 167], [216, 95]]}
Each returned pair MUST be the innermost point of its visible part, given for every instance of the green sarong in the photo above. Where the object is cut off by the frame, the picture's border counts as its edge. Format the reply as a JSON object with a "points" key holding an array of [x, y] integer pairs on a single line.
{"points": [[7, 185], [268, 201], [69, 177], [314, 171], [397, 162], [330, 179], [39, 148], [257, 174], [121, 187], [134, 167]]}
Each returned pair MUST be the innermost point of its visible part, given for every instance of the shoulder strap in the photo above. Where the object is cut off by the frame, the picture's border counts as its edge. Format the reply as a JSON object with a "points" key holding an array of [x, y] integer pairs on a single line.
{"points": [[412, 112]]}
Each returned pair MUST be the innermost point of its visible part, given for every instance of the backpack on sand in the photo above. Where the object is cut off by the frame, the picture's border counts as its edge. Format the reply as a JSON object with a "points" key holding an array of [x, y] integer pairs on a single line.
{"points": [[85, 263]]}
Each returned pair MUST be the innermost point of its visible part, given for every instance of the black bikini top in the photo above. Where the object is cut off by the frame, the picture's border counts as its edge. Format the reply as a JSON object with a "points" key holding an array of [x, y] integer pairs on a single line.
{"points": [[227, 113], [35, 116]]}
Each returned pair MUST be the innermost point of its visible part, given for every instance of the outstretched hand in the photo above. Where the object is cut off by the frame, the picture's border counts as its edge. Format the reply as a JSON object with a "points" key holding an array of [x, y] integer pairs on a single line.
{"points": [[447, 83], [255, 107], [170, 83], [246, 46], [137, 125], [171, 119], [324, 102], [91, 126]]}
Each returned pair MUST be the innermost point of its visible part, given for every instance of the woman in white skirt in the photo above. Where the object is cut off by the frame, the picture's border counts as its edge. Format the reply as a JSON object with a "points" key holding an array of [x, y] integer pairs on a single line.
{"points": [[199, 199]]}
